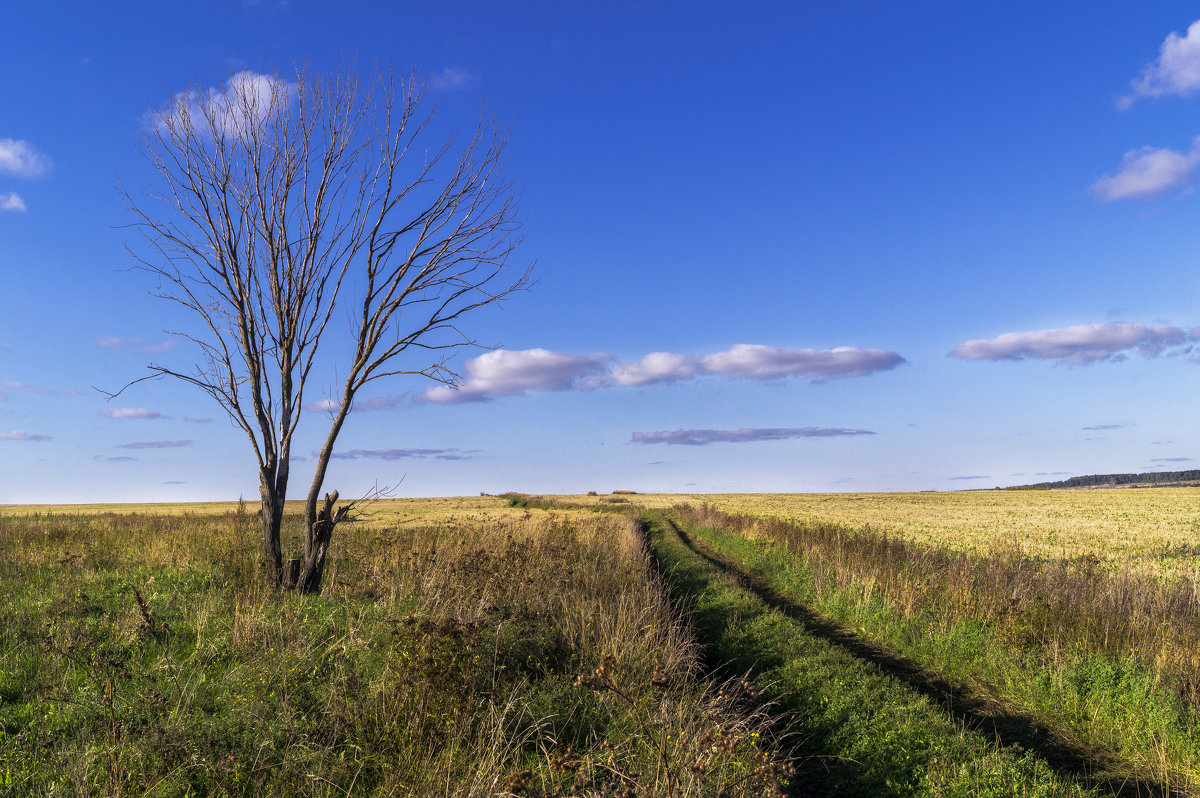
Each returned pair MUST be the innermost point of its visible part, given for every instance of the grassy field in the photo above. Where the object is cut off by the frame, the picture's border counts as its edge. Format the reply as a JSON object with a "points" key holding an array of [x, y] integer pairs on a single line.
{"points": [[1093, 667], [1154, 529], [484, 650], [981, 643]]}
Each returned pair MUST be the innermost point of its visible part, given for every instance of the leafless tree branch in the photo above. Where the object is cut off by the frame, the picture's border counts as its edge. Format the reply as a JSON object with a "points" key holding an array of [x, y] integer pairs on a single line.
{"points": [[273, 202]]}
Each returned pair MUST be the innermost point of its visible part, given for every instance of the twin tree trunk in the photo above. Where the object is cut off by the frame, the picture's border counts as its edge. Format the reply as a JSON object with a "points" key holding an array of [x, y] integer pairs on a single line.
{"points": [[301, 574]]}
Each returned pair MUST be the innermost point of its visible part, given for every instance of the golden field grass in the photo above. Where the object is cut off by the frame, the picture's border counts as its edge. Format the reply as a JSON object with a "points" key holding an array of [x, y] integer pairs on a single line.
{"points": [[1152, 528], [373, 514], [1156, 529]]}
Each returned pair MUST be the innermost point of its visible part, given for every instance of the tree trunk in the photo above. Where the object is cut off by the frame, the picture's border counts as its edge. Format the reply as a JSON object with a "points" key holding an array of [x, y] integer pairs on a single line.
{"points": [[313, 572], [319, 524], [271, 516]]}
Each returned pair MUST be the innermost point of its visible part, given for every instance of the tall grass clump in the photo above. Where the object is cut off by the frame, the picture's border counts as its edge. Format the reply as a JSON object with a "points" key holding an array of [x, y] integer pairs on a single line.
{"points": [[534, 655]]}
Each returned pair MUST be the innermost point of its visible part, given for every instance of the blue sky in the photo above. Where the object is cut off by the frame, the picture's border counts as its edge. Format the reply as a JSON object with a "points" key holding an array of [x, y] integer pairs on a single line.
{"points": [[787, 247]]}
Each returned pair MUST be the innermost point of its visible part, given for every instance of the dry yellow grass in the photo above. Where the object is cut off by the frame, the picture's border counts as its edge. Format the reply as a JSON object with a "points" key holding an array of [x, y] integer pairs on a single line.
{"points": [[382, 512], [1155, 528]]}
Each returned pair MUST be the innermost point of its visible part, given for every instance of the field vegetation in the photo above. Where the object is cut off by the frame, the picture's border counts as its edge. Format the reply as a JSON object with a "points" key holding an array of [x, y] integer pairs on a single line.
{"points": [[986, 643], [1151, 530], [482, 651]]}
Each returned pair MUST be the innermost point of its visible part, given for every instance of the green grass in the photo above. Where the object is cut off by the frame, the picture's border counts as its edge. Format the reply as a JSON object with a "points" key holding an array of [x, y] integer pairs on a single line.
{"points": [[536, 656], [866, 731], [1044, 661], [524, 645]]}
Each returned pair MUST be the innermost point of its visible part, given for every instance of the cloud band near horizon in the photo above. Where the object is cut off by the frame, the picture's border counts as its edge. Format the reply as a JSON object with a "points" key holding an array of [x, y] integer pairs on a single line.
{"points": [[19, 435], [400, 454], [703, 437]]}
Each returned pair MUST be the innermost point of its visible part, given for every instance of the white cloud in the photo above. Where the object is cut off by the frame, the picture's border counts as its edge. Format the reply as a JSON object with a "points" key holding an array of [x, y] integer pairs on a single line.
{"points": [[248, 99], [1080, 344], [1176, 71], [655, 367], [754, 361], [1148, 172], [452, 78], [703, 437], [504, 372], [17, 435], [21, 159], [131, 413], [322, 406], [513, 373], [11, 202]]}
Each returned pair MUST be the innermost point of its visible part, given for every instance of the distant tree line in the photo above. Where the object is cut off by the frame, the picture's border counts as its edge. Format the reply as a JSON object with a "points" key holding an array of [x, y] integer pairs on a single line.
{"points": [[1114, 480]]}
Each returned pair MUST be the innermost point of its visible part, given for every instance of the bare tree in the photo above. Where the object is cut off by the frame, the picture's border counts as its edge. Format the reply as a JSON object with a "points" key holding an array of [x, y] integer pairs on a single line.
{"points": [[274, 202]]}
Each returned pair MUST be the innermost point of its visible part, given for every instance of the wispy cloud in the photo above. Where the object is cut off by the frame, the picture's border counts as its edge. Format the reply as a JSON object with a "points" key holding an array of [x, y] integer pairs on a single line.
{"points": [[17, 435], [248, 98], [11, 386], [124, 458], [19, 158], [384, 402], [139, 413], [505, 372], [1149, 172], [154, 445], [1099, 427], [452, 78], [12, 202], [194, 420], [1081, 344], [401, 454], [1176, 71], [136, 345], [388, 402], [1170, 460], [322, 406], [973, 476], [703, 437], [755, 361]]}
